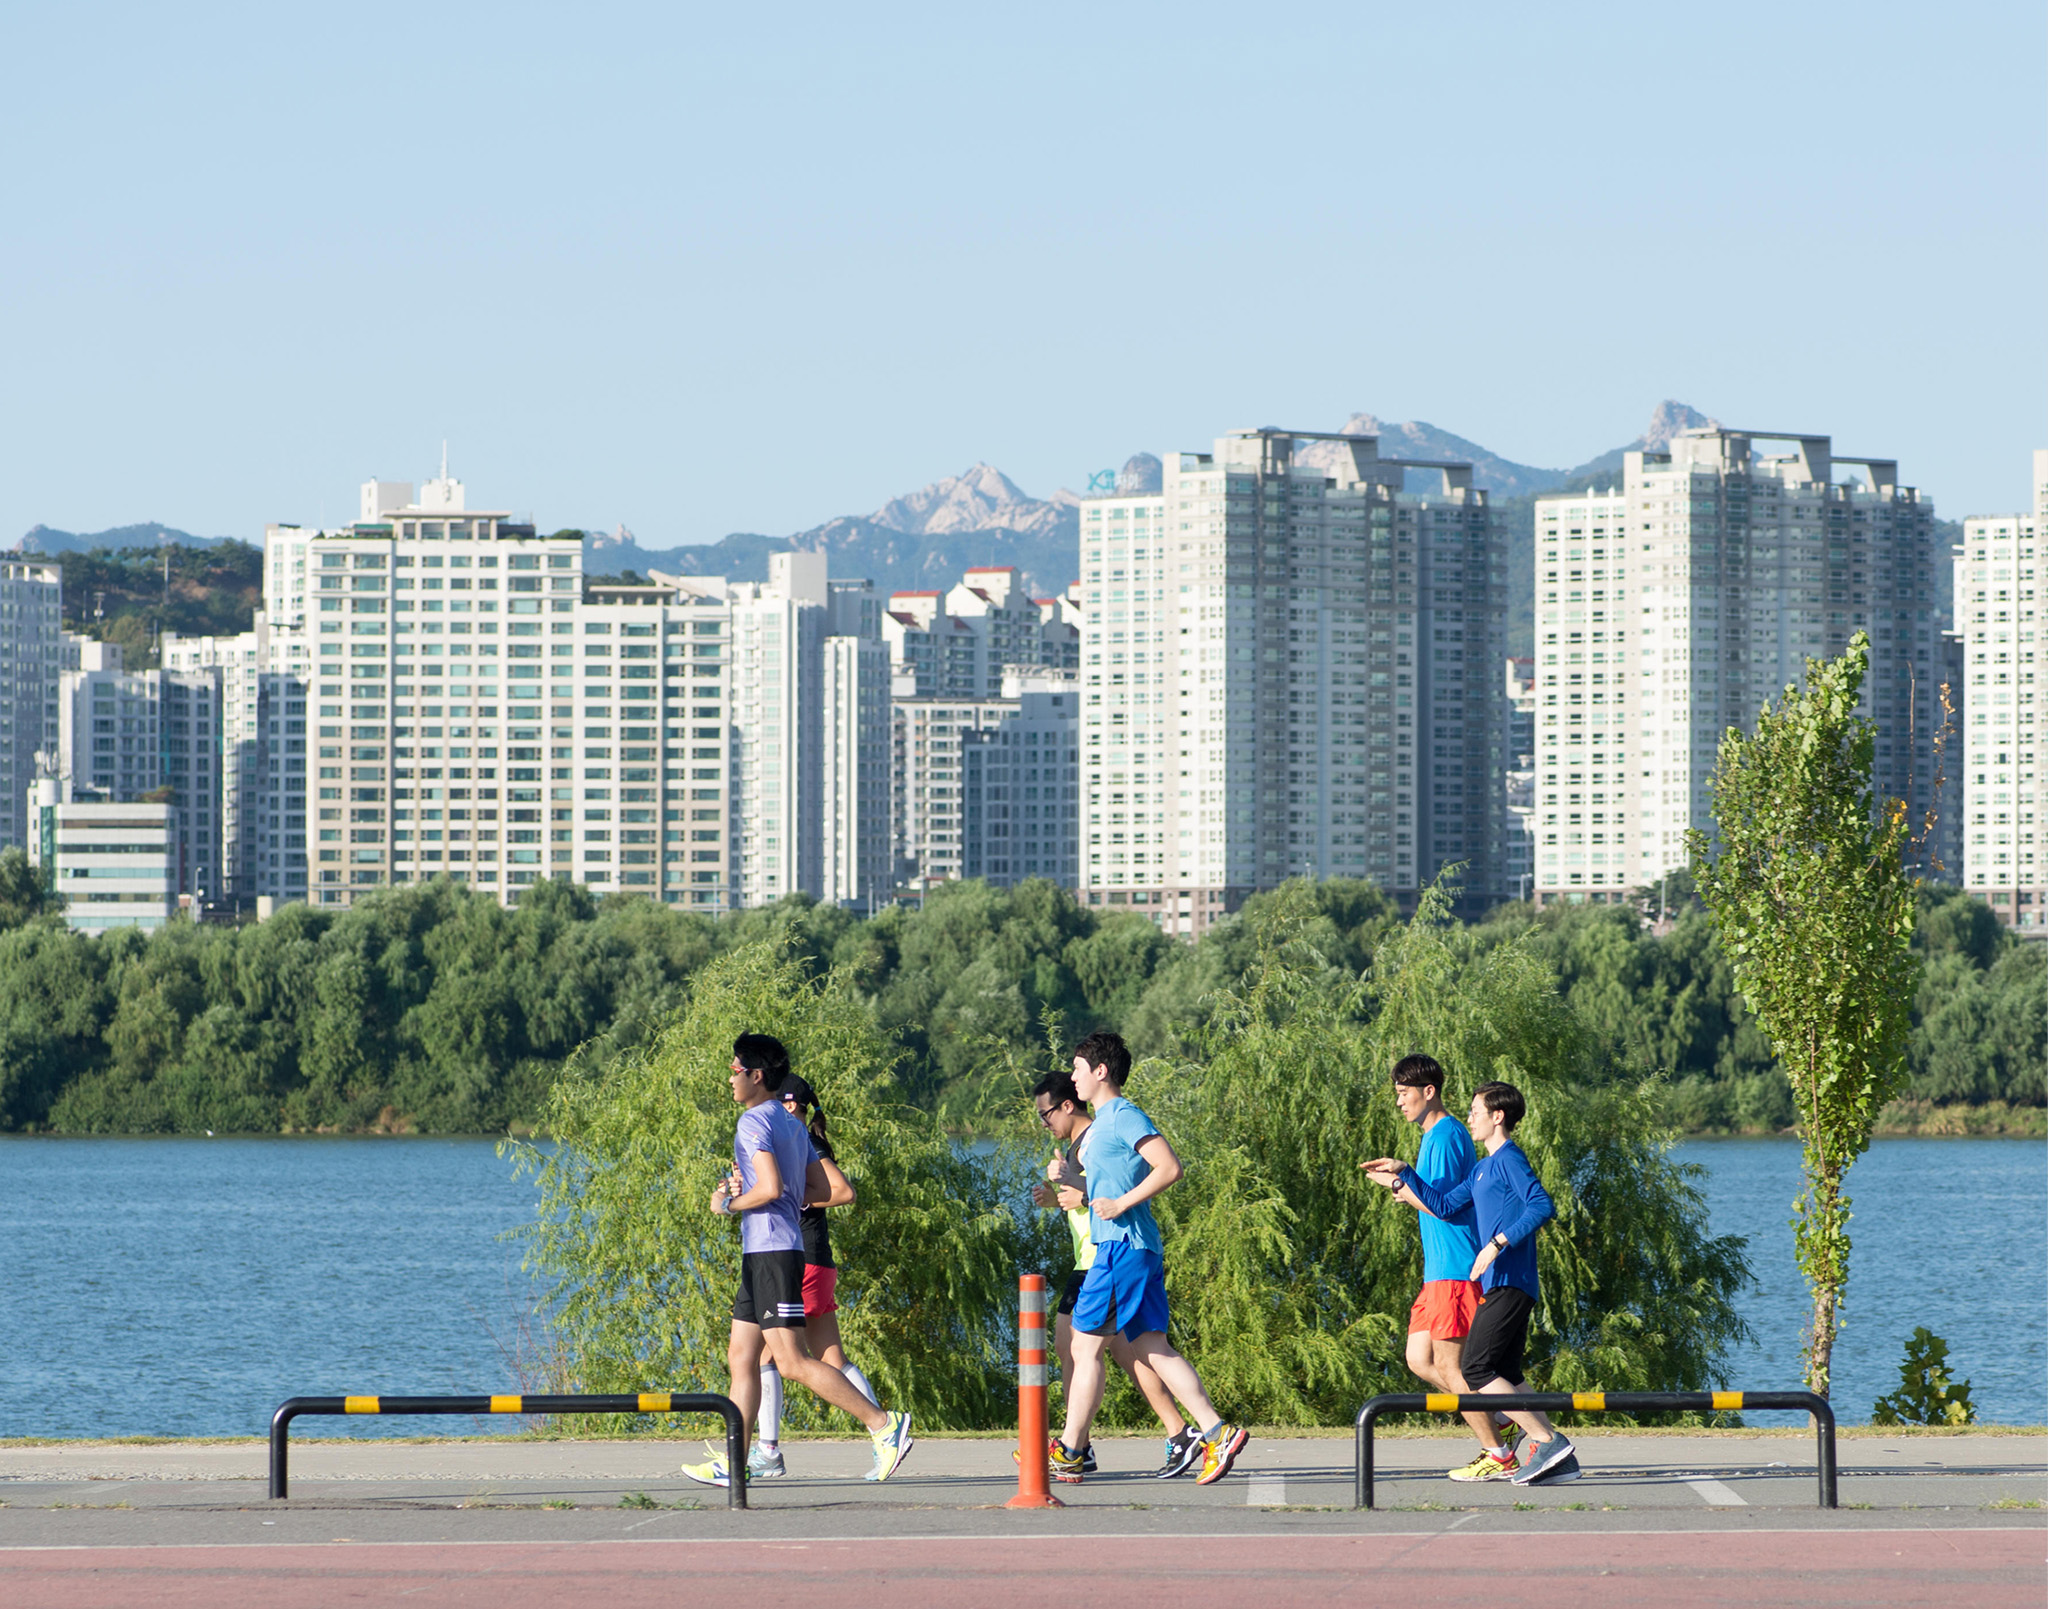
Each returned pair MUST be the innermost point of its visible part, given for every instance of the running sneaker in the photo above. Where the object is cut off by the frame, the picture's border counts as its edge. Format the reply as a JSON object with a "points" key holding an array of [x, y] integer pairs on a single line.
{"points": [[1565, 1469], [1087, 1455], [712, 1473], [892, 1445], [1486, 1467], [1219, 1452], [1183, 1452], [1510, 1434], [1067, 1466], [763, 1464], [1544, 1458]]}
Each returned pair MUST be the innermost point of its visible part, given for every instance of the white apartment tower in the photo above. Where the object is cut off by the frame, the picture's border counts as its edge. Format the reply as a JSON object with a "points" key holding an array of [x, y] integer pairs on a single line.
{"points": [[31, 629], [258, 680], [124, 735], [1288, 668], [2005, 851], [1673, 607]]}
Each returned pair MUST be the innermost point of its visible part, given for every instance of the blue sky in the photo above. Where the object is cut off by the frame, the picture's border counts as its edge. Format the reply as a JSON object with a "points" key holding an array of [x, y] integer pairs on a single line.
{"points": [[731, 268]]}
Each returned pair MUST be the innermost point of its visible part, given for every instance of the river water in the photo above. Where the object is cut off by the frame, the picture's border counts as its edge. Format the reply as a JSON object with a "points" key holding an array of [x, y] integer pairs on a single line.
{"points": [[186, 1286]]}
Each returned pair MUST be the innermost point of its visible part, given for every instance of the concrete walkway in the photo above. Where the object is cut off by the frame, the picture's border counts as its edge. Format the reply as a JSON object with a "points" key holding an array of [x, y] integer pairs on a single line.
{"points": [[1661, 1478]]}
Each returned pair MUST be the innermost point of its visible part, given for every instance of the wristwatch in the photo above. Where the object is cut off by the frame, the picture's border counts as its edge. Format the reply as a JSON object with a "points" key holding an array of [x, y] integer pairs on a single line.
{"points": [[1500, 1242]]}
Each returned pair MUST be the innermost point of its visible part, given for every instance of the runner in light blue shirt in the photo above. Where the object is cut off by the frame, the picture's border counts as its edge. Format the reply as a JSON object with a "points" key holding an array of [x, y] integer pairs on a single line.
{"points": [[1127, 1162]]}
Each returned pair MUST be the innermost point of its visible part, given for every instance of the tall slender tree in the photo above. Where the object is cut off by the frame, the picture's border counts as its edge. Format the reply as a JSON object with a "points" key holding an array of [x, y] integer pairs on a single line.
{"points": [[1807, 883]]}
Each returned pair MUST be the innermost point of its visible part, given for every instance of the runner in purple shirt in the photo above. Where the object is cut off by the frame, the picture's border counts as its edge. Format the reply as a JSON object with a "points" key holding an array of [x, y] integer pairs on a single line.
{"points": [[776, 1171]]}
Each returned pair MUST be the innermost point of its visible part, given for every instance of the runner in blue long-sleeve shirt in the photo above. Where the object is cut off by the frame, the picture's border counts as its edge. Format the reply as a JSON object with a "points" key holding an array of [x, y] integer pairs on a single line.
{"points": [[1510, 1204]]}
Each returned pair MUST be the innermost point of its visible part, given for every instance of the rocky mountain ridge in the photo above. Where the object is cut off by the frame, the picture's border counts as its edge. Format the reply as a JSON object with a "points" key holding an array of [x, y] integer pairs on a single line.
{"points": [[925, 538]]}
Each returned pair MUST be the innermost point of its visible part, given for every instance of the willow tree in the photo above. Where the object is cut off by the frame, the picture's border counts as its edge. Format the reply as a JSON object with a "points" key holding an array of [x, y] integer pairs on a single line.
{"points": [[1809, 891]]}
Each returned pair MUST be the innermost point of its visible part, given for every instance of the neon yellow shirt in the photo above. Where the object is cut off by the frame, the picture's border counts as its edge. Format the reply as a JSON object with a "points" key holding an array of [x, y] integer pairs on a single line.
{"points": [[1077, 1226]]}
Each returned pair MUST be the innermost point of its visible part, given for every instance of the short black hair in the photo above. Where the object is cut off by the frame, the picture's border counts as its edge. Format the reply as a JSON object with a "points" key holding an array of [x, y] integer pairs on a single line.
{"points": [[1505, 1102], [1418, 1071], [1109, 1052], [763, 1054], [1059, 1088]]}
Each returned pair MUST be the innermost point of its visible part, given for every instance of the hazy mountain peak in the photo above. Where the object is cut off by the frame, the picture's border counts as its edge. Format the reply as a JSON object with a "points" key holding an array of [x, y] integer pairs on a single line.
{"points": [[983, 498], [1667, 419]]}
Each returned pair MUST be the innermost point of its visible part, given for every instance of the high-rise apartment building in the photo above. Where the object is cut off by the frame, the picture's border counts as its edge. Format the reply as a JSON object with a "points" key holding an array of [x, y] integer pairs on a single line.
{"points": [[257, 680], [1020, 812], [31, 630], [1518, 832], [128, 736], [928, 796], [809, 736], [107, 740], [1673, 607], [853, 781], [2004, 850], [1288, 669]]}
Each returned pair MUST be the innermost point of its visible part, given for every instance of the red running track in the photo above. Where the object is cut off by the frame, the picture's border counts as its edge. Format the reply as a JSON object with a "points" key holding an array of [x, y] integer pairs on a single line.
{"points": [[1984, 1569]]}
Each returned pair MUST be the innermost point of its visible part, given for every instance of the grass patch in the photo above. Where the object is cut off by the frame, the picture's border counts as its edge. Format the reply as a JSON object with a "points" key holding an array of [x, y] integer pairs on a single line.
{"points": [[1423, 1508], [558, 1503], [637, 1500], [2017, 1502]]}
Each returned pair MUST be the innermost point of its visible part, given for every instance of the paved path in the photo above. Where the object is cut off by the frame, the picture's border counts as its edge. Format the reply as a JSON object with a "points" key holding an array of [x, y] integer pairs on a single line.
{"points": [[1867, 1569], [1663, 1518]]}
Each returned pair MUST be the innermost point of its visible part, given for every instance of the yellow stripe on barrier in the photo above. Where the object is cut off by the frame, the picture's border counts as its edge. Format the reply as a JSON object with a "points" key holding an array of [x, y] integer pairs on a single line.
{"points": [[654, 1401], [1727, 1399], [1594, 1400], [508, 1405], [360, 1405], [1441, 1402]]}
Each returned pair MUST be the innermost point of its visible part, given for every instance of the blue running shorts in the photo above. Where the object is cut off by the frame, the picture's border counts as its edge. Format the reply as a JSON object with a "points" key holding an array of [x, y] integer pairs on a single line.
{"points": [[1125, 1290]]}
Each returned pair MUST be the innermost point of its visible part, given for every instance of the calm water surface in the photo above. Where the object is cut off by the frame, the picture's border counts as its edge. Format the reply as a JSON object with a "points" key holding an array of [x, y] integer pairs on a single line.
{"points": [[184, 1287]]}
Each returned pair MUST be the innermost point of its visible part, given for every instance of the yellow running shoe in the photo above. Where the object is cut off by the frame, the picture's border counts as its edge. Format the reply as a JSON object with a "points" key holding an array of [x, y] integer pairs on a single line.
{"points": [[1486, 1467], [1219, 1451]]}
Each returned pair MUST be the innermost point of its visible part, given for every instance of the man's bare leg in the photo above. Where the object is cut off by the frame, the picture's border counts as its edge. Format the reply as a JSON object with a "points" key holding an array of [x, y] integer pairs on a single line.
{"points": [[743, 1359], [1178, 1376], [1537, 1426], [786, 1349], [1148, 1381], [1449, 1359], [1084, 1387]]}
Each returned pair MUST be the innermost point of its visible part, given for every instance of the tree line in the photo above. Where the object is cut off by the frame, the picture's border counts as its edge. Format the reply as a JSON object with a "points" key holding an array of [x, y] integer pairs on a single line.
{"points": [[430, 1008]]}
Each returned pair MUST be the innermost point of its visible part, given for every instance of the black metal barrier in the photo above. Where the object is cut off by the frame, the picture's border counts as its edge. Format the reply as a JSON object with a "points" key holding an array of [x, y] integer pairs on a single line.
{"points": [[644, 1402], [1602, 1402]]}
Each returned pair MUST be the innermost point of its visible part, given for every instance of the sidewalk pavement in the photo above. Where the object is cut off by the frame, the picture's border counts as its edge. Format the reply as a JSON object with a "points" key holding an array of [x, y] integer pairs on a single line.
{"points": [[1632, 1478]]}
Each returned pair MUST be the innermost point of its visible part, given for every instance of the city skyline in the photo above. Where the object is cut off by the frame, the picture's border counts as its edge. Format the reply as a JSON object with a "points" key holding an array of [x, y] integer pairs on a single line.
{"points": [[729, 281]]}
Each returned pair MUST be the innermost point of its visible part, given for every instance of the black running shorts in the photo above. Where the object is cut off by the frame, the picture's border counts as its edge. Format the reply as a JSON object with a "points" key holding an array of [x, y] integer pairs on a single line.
{"points": [[1070, 1290], [1500, 1329], [771, 1292]]}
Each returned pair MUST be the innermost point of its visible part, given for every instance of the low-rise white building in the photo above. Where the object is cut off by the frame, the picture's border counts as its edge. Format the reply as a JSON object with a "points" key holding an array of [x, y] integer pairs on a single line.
{"points": [[113, 864]]}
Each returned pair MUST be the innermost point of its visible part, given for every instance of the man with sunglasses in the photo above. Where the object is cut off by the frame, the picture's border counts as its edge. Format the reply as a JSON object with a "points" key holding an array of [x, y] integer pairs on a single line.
{"points": [[1066, 1118]]}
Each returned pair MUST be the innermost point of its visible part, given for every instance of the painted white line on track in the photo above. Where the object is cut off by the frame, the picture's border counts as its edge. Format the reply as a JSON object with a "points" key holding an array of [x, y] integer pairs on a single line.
{"points": [[1717, 1495], [1265, 1491]]}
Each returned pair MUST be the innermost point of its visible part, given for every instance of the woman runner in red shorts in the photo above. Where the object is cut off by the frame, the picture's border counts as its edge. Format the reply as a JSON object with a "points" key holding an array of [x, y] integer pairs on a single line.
{"points": [[821, 1277]]}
